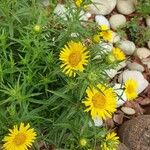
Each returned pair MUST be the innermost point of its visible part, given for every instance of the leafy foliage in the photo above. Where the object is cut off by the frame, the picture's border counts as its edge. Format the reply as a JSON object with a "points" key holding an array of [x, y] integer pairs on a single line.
{"points": [[32, 87]]}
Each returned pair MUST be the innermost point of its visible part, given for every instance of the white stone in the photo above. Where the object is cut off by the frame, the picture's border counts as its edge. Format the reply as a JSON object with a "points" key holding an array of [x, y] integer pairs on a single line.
{"points": [[135, 75], [116, 38], [101, 20], [128, 47], [125, 7], [148, 44], [105, 47], [102, 7], [148, 21], [121, 65], [117, 20], [121, 98], [128, 110], [61, 11], [84, 16], [142, 52], [97, 122], [135, 66], [146, 61], [135, 2], [112, 72]]}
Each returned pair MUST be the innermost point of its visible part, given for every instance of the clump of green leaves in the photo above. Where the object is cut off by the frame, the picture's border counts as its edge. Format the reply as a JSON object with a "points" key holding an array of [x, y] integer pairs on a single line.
{"points": [[143, 8], [32, 86]]}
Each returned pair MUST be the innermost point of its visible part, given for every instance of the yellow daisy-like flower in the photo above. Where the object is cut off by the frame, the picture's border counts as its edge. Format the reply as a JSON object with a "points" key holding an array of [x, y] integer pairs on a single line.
{"points": [[110, 142], [101, 101], [74, 56], [118, 54], [78, 2], [103, 28], [83, 142], [19, 138], [106, 33], [131, 87]]}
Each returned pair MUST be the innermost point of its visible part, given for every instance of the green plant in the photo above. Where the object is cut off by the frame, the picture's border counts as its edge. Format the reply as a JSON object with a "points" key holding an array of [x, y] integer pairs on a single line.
{"points": [[32, 86]]}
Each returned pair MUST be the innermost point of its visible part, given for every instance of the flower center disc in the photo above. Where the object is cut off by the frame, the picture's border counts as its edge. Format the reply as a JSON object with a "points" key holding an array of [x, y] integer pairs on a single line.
{"points": [[19, 139], [74, 59], [99, 100], [130, 89]]}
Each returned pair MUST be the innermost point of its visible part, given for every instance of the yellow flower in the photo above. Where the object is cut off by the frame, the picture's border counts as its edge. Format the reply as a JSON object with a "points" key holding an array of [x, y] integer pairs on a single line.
{"points": [[37, 28], [83, 142], [101, 101], [103, 28], [106, 33], [118, 54], [78, 2], [19, 138], [110, 142], [74, 56], [131, 87]]}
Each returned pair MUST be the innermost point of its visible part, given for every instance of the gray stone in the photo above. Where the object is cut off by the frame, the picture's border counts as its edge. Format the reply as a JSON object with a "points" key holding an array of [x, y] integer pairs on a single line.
{"points": [[148, 21], [142, 52], [128, 47], [101, 20], [117, 20], [102, 7], [135, 66], [125, 7], [148, 44]]}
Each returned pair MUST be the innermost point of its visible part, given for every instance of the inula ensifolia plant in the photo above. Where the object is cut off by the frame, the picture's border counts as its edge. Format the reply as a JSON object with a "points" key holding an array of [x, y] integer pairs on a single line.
{"points": [[46, 75]]}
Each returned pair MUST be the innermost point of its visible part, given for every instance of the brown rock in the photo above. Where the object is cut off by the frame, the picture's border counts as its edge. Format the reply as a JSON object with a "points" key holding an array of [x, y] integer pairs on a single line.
{"points": [[135, 133], [122, 147]]}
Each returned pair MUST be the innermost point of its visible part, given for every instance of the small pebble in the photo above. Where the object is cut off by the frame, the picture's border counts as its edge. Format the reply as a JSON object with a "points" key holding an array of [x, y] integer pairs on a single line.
{"points": [[142, 52], [128, 47], [117, 20], [128, 110], [125, 7], [135, 66]]}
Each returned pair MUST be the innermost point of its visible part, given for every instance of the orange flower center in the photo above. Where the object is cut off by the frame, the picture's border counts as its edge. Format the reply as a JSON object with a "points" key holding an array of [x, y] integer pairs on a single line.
{"points": [[74, 59], [19, 139], [99, 100]]}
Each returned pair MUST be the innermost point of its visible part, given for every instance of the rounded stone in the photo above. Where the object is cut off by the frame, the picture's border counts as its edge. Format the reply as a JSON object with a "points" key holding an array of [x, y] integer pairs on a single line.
{"points": [[135, 66], [102, 7], [148, 44], [135, 133], [101, 20], [128, 47], [117, 20], [125, 7], [142, 53], [148, 21], [116, 38]]}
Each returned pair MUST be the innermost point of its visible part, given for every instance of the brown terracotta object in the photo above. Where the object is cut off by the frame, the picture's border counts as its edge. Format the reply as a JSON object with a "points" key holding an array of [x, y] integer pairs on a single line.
{"points": [[135, 133]]}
